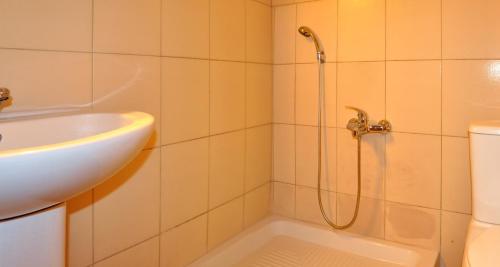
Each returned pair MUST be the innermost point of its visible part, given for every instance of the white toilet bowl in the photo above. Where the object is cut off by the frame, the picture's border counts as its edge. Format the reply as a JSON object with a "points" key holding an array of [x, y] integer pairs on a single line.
{"points": [[482, 247]]}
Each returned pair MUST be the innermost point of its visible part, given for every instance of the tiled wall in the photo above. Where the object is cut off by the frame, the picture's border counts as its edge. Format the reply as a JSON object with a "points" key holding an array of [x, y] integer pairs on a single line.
{"points": [[429, 67], [202, 68]]}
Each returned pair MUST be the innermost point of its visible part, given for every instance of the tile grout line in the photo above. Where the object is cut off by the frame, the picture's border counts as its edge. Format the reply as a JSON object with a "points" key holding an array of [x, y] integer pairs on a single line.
{"points": [[162, 108], [209, 120]]}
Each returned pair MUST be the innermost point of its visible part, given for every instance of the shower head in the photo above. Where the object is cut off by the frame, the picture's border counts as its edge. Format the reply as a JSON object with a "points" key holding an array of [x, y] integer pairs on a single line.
{"points": [[309, 34]]}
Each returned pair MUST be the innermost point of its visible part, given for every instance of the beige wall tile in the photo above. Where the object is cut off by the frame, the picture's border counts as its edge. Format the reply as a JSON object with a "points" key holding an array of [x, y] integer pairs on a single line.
{"points": [[227, 167], [307, 91], [470, 88], [414, 96], [258, 168], [66, 84], [284, 20], [259, 94], [307, 207], [120, 220], [453, 235], [258, 32], [184, 244], [414, 169], [227, 96], [131, 27], [225, 222], [227, 29], [370, 220], [185, 28], [46, 24], [361, 85], [307, 157], [361, 30], [470, 29], [413, 29], [412, 225], [321, 17], [456, 191], [372, 164], [79, 230], [124, 83], [257, 204], [283, 202], [284, 93], [184, 180], [267, 2], [185, 101], [284, 153], [144, 254], [282, 2]]}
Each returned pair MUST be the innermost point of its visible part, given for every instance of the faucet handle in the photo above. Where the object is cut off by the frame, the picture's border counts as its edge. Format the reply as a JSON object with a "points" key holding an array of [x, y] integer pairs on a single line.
{"points": [[362, 115]]}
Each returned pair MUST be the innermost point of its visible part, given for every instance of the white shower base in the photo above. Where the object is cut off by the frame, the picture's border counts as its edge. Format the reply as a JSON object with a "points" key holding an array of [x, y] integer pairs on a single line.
{"points": [[278, 241]]}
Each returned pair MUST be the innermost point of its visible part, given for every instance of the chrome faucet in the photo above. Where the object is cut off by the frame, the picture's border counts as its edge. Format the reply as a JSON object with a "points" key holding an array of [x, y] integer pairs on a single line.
{"points": [[360, 126], [4, 95]]}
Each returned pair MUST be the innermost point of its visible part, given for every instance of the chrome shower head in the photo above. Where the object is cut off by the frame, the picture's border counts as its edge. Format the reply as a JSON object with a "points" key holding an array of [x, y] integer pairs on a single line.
{"points": [[308, 33]]}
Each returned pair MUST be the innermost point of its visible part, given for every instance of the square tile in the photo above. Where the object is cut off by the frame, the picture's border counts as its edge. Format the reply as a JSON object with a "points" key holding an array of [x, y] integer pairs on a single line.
{"points": [[144, 254], [259, 94], [283, 202], [185, 28], [284, 30], [414, 96], [284, 94], [307, 157], [307, 207], [184, 180], [131, 27], [412, 225], [79, 230], [307, 92], [361, 30], [258, 168], [414, 169], [456, 192], [454, 228], [470, 29], [227, 167], [121, 221], [370, 219], [124, 83], [227, 29], [257, 204], [66, 85], [321, 17], [46, 25], [184, 244], [361, 85], [284, 153], [227, 96], [185, 101], [259, 39], [225, 222], [372, 164], [413, 29], [470, 88]]}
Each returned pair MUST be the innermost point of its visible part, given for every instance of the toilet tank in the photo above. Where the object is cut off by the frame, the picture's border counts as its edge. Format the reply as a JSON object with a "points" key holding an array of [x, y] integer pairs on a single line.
{"points": [[485, 170]]}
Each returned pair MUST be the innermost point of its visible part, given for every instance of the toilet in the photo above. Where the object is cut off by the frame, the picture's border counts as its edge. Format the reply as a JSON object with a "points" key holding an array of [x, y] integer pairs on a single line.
{"points": [[482, 248]]}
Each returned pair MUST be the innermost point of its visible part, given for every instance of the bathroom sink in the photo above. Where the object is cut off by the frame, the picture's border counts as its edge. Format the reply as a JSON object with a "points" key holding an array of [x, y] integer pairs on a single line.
{"points": [[45, 161]]}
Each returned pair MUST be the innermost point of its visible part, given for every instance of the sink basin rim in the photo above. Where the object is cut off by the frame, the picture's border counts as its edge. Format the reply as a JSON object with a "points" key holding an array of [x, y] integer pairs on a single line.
{"points": [[137, 120]]}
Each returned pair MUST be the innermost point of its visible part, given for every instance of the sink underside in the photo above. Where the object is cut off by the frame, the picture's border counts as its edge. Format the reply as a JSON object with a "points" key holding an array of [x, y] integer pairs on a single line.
{"points": [[46, 161]]}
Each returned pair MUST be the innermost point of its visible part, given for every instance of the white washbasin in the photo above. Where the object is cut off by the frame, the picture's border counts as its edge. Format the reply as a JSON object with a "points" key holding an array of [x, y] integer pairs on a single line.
{"points": [[45, 161]]}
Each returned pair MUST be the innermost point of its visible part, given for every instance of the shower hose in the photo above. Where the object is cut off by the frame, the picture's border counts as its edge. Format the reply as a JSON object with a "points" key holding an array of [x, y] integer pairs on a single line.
{"points": [[321, 104]]}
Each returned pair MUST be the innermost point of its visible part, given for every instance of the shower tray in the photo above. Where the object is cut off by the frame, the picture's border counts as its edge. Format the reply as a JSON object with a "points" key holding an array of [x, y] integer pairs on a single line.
{"points": [[278, 241]]}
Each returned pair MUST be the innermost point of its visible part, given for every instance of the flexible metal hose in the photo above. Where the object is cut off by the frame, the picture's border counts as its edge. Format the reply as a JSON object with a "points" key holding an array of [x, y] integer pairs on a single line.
{"points": [[321, 103]]}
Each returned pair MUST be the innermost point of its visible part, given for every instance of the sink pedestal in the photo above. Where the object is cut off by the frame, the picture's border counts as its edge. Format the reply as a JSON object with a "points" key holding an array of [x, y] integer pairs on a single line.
{"points": [[36, 239]]}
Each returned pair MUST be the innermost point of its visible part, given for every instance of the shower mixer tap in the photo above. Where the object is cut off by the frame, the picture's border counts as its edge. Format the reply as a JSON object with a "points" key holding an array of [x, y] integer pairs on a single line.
{"points": [[4, 95], [360, 126]]}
